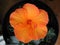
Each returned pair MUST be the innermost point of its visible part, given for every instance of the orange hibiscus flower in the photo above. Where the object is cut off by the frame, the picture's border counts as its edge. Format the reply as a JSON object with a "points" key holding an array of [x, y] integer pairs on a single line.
{"points": [[29, 23]]}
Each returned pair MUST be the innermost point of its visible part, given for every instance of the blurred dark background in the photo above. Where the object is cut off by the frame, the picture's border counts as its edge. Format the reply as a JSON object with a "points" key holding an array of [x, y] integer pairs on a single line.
{"points": [[5, 5]]}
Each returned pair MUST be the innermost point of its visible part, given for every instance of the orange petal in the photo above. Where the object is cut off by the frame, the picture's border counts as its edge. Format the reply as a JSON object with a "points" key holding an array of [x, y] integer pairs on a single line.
{"points": [[32, 31], [42, 18], [41, 31], [18, 16], [32, 10], [27, 33], [22, 34]]}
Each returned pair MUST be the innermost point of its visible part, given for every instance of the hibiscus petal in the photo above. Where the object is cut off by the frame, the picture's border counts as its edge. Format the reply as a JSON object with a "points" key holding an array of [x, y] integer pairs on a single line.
{"points": [[18, 16], [41, 31], [42, 18], [22, 34], [32, 10]]}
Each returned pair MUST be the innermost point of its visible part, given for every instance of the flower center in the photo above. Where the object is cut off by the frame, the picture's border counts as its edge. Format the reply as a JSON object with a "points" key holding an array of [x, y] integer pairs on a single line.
{"points": [[29, 21]]}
